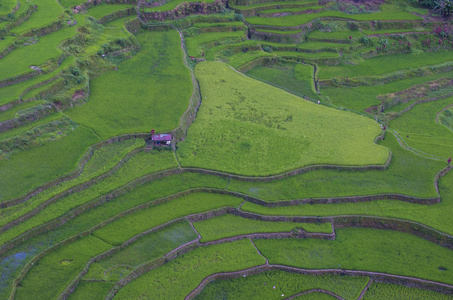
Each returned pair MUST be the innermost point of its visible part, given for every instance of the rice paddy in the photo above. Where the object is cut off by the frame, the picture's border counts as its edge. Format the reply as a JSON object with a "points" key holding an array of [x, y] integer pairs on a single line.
{"points": [[309, 157]]}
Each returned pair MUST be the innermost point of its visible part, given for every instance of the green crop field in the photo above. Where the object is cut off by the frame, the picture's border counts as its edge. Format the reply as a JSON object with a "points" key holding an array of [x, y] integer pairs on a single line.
{"points": [[7, 6], [308, 147], [197, 44], [435, 216], [145, 249], [47, 12], [361, 97], [105, 9], [171, 4], [230, 225], [385, 64], [114, 233], [296, 79], [297, 20], [49, 278], [269, 143], [191, 268], [148, 107], [381, 251], [262, 286], [283, 10], [20, 60], [388, 291]]}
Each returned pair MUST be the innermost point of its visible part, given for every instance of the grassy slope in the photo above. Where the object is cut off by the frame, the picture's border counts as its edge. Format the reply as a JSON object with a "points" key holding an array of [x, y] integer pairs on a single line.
{"points": [[189, 269], [102, 161], [261, 286], [424, 133], [364, 249], [379, 290], [6, 6], [150, 90], [22, 253], [17, 110], [282, 10], [91, 290], [296, 20], [385, 64], [139, 165], [446, 118], [147, 248], [241, 58], [437, 216], [12, 92], [71, 3], [99, 11], [296, 78], [20, 60], [47, 12], [362, 97], [230, 225], [407, 174], [195, 45], [131, 225], [55, 271], [240, 130], [171, 4], [33, 167]]}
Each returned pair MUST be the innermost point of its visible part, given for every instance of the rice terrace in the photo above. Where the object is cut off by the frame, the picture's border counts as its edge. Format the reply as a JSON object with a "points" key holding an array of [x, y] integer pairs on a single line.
{"points": [[226, 149]]}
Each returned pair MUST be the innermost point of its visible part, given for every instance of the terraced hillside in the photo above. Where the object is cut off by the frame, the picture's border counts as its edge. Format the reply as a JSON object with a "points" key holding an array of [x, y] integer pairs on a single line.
{"points": [[228, 149]]}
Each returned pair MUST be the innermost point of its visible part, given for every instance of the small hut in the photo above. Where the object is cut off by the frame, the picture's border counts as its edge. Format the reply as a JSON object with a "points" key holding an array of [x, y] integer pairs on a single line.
{"points": [[161, 140]]}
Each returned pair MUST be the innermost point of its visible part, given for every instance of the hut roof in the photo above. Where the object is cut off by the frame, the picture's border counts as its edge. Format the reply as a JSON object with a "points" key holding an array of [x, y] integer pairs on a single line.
{"points": [[161, 137]]}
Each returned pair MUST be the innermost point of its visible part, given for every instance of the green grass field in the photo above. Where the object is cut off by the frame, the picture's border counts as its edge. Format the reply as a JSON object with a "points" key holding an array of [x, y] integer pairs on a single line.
{"points": [[161, 89], [262, 286], [266, 137], [230, 225], [189, 269], [364, 249]]}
